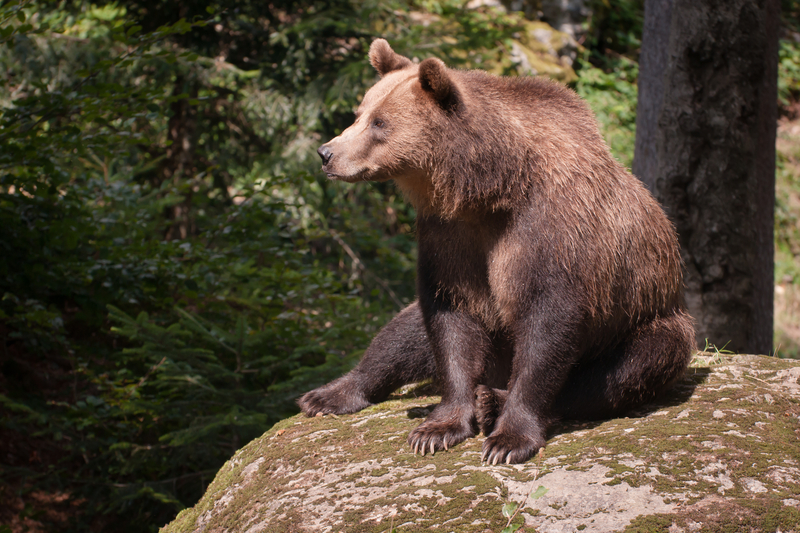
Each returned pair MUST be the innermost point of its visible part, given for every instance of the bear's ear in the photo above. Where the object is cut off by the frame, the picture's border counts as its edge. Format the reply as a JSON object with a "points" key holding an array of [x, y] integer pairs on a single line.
{"points": [[435, 79], [384, 59]]}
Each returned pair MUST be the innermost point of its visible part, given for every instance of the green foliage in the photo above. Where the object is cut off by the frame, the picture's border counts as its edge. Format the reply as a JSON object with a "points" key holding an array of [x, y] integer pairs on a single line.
{"points": [[787, 243], [787, 215], [510, 510], [175, 269], [789, 54], [790, 15], [612, 96], [787, 188], [614, 31], [608, 71], [788, 72], [54, 122]]}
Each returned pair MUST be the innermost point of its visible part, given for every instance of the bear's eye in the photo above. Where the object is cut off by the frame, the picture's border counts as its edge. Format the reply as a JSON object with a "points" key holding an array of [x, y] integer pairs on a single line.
{"points": [[378, 123]]}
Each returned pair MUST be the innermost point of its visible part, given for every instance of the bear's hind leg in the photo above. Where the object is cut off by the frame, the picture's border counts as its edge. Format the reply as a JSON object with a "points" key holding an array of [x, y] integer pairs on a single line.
{"points": [[655, 356], [399, 354], [489, 404]]}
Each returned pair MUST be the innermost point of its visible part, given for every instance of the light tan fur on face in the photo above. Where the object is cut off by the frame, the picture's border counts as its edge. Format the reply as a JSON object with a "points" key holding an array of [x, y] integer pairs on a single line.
{"points": [[359, 155]]}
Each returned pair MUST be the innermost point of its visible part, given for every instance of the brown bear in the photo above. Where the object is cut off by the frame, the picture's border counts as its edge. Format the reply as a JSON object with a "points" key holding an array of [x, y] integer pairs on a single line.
{"points": [[549, 280]]}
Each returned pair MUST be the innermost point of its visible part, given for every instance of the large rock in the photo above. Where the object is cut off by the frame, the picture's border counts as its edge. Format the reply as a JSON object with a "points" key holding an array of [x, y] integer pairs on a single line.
{"points": [[720, 453], [542, 50]]}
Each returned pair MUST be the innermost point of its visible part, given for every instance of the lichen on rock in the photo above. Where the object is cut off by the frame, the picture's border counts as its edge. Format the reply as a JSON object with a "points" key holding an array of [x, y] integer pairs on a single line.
{"points": [[722, 449]]}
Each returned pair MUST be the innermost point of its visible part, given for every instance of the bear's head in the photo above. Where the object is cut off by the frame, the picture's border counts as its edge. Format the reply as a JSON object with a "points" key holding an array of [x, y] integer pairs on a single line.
{"points": [[397, 121]]}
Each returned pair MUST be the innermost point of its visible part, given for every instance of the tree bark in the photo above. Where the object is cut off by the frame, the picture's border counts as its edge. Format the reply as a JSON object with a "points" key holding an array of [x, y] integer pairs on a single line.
{"points": [[705, 147], [652, 65], [178, 166]]}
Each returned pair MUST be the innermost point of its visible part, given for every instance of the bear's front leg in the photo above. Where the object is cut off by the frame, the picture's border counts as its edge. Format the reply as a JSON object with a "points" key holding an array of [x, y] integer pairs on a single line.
{"points": [[399, 354], [460, 346], [544, 353]]}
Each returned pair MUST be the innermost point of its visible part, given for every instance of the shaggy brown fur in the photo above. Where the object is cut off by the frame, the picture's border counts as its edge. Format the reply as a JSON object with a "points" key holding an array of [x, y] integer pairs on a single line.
{"points": [[549, 279]]}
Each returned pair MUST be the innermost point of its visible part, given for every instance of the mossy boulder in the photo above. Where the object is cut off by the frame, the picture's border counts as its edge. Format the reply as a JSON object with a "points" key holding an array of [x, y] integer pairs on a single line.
{"points": [[721, 452], [542, 50]]}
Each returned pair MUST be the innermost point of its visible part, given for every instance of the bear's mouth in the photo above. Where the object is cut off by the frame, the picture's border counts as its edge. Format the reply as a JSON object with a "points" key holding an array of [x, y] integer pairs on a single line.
{"points": [[361, 175], [339, 177]]}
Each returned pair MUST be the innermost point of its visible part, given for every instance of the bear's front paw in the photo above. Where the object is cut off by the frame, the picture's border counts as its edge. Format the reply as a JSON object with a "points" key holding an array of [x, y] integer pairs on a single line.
{"points": [[443, 428], [510, 448], [337, 397]]}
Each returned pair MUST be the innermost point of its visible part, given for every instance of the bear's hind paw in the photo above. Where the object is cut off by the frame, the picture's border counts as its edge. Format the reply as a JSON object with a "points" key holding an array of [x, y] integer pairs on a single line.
{"points": [[488, 405], [332, 399]]}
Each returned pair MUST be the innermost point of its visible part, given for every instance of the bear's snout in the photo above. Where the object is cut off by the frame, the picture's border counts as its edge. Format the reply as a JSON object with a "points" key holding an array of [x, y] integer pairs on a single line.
{"points": [[325, 153]]}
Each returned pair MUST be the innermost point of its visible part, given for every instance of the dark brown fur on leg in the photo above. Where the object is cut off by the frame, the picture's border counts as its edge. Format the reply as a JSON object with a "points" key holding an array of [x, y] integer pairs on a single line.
{"points": [[398, 355], [646, 365], [632, 374], [626, 376], [460, 347]]}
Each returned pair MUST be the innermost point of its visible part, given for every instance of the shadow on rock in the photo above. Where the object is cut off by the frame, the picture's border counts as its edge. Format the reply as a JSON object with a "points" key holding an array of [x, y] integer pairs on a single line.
{"points": [[678, 394]]}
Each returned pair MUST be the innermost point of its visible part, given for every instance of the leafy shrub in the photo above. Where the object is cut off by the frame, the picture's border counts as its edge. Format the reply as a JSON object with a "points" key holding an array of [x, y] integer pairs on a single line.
{"points": [[612, 96], [175, 270]]}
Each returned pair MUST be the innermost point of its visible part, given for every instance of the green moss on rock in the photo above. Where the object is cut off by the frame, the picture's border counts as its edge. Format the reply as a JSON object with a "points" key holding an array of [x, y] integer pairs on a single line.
{"points": [[720, 452]]}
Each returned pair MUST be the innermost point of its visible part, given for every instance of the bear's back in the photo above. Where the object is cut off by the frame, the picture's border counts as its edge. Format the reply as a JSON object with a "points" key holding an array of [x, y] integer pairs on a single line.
{"points": [[531, 147]]}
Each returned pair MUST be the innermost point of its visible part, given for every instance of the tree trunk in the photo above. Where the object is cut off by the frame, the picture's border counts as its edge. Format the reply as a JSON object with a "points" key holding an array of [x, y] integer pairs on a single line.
{"points": [[178, 166], [653, 64], [705, 147]]}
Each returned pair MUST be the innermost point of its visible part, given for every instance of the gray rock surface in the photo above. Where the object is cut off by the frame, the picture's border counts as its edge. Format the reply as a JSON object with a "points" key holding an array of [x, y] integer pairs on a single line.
{"points": [[720, 453]]}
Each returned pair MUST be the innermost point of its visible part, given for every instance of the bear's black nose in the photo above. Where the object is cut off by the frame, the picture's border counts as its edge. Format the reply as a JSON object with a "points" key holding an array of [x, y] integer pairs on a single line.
{"points": [[325, 153]]}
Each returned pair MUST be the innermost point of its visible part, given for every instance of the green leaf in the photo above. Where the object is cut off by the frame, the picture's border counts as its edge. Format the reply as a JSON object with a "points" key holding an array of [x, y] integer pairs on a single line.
{"points": [[132, 30], [538, 493], [21, 16], [509, 508]]}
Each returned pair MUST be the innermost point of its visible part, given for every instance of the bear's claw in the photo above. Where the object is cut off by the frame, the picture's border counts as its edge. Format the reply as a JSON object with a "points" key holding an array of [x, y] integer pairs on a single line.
{"points": [[441, 432], [509, 448]]}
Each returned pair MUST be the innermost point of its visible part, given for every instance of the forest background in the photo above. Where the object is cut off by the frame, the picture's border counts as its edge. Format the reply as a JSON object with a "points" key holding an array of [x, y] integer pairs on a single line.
{"points": [[174, 268]]}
